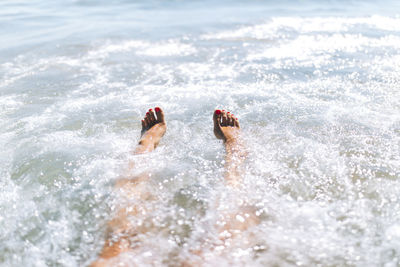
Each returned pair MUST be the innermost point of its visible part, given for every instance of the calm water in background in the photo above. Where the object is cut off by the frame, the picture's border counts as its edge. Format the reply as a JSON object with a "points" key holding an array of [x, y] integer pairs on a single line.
{"points": [[314, 83]]}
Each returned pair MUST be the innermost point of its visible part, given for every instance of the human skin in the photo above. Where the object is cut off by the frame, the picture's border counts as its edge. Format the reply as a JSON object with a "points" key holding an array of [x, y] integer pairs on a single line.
{"points": [[228, 227], [227, 128], [120, 228]]}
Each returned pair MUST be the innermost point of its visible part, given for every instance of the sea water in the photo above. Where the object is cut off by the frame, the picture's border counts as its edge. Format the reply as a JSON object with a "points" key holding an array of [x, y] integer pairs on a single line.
{"points": [[315, 85]]}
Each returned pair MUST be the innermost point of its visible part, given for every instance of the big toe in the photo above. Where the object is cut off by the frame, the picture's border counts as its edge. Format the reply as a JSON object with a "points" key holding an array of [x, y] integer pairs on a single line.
{"points": [[217, 117], [160, 114]]}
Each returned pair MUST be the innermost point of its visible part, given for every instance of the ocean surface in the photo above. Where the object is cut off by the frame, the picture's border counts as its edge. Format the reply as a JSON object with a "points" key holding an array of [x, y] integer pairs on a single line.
{"points": [[315, 85]]}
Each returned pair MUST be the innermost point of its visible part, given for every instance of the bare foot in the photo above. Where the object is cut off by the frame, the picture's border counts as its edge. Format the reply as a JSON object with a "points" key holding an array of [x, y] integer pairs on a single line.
{"points": [[226, 126], [153, 129]]}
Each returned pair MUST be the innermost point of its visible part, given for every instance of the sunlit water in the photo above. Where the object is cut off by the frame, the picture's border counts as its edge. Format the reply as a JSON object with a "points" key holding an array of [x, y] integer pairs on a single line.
{"points": [[314, 84]]}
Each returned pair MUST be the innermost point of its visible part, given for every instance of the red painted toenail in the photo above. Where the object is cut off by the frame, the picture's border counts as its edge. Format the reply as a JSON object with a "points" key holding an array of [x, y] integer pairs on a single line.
{"points": [[157, 109], [218, 112], [150, 110], [147, 113]]}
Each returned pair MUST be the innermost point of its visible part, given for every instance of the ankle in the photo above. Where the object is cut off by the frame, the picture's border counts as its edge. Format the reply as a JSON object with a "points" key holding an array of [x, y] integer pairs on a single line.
{"points": [[144, 146], [232, 145], [230, 141]]}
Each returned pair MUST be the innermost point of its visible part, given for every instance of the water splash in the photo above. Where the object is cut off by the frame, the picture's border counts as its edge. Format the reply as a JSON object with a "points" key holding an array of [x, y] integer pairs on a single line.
{"points": [[319, 105]]}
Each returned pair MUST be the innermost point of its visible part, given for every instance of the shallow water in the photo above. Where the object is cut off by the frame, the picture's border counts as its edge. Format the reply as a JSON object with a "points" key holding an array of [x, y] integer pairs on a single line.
{"points": [[314, 84]]}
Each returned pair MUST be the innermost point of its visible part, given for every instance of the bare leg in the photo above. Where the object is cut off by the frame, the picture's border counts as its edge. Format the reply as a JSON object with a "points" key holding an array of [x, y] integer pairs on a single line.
{"points": [[120, 227], [235, 219], [227, 128]]}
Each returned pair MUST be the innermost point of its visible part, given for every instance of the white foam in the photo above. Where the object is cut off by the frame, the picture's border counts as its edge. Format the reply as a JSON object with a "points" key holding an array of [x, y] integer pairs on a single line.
{"points": [[282, 27], [171, 48], [318, 101]]}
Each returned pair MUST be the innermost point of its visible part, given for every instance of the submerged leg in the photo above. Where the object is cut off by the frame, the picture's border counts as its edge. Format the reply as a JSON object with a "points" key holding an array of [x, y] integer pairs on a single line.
{"points": [[227, 128], [232, 220], [120, 227]]}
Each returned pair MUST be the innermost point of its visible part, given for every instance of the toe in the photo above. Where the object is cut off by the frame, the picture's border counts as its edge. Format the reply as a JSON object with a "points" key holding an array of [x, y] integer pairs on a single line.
{"points": [[217, 124], [229, 119], [144, 126], [160, 114], [217, 117], [152, 116], [148, 120], [224, 118], [236, 121]]}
